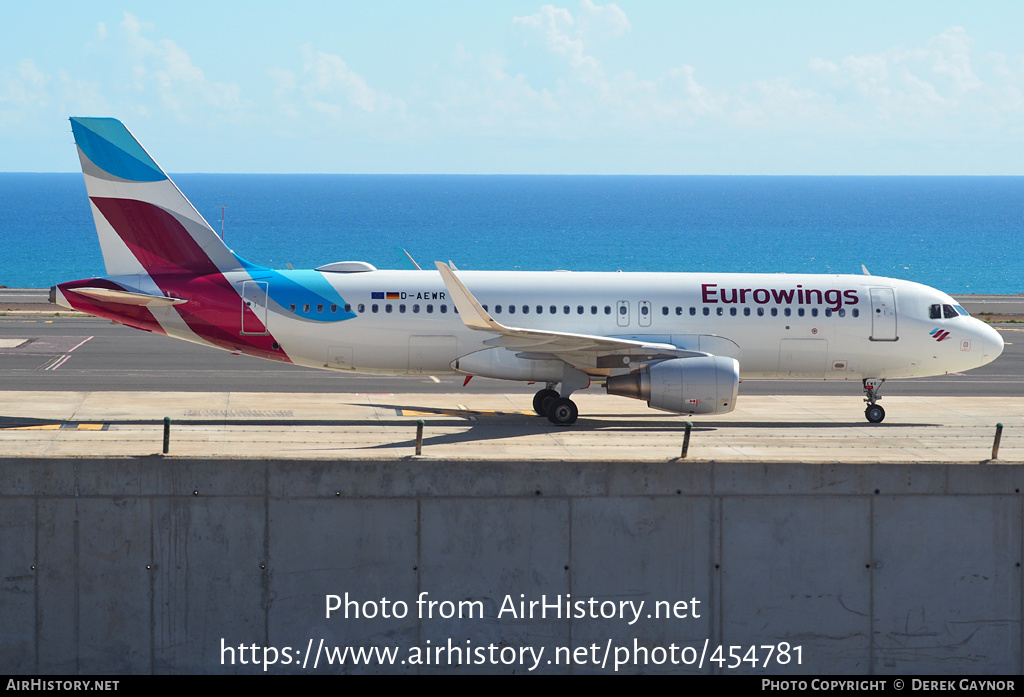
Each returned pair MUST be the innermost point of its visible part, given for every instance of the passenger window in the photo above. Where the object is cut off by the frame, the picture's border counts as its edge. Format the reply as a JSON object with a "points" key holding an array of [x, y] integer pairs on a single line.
{"points": [[497, 309], [719, 311], [553, 309], [693, 311], [540, 310], [644, 310], [430, 309], [622, 310], [415, 309], [664, 310], [320, 307], [593, 309], [608, 310], [292, 307], [814, 312], [511, 309], [387, 308], [856, 312], [305, 307], [800, 311], [828, 311], [362, 307], [374, 308], [732, 311], [526, 309], [760, 312], [401, 308], [679, 311], [707, 311], [775, 312], [565, 309], [485, 309], [746, 312], [842, 312], [787, 312], [444, 309], [579, 309]]}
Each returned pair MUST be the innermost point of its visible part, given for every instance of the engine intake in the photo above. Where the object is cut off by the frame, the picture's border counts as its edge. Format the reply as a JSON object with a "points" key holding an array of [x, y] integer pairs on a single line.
{"points": [[700, 385]]}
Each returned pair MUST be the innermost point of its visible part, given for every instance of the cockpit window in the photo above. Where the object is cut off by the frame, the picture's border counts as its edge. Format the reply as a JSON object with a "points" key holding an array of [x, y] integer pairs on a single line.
{"points": [[946, 311]]}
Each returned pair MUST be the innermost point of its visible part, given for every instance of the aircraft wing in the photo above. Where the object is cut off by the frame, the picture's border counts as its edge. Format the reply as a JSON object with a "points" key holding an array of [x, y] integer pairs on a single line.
{"points": [[581, 350]]}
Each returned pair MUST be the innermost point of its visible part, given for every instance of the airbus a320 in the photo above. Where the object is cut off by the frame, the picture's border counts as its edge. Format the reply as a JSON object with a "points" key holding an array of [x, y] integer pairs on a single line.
{"points": [[679, 341]]}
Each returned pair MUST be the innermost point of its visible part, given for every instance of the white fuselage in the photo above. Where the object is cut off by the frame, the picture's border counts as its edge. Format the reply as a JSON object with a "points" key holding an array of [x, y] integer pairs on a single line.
{"points": [[775, 325]]}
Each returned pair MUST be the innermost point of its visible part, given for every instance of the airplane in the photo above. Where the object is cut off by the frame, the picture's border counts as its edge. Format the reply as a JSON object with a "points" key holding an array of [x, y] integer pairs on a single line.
{"points": [[679, 341]]}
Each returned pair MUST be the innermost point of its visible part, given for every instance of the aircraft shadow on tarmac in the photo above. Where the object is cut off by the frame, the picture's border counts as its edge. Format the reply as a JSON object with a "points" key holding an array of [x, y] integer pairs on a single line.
{"points": [[605, 423]]}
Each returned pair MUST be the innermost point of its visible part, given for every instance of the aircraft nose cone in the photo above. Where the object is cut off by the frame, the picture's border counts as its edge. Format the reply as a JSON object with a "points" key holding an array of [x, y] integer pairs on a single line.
{"points": [[992, 343]]}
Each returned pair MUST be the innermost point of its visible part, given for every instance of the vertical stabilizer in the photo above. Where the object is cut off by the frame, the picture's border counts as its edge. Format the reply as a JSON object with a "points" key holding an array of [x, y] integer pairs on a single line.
{"points": [[145, 224]]}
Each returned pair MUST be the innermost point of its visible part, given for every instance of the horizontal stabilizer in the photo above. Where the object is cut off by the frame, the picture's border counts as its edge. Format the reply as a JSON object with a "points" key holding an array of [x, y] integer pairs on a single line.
{"points": [[126, 297]]}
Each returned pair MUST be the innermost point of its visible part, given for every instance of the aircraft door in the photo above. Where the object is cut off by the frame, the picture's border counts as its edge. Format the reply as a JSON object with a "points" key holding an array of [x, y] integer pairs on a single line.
{"points": [[644, 308], [883, 314], [254, 299], [622, 313]]}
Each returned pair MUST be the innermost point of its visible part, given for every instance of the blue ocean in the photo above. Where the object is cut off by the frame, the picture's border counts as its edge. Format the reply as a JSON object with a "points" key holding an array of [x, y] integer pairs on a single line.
{"points": [[959, 234]]}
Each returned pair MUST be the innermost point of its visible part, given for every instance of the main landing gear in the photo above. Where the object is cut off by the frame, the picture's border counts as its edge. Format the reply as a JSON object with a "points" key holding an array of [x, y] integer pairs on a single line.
{"points": [[874, 412], [543, 399], [560, 410]]}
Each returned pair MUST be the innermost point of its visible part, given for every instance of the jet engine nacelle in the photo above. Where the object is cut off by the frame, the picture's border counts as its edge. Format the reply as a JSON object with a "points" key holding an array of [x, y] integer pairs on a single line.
{"points": [[699, 385]]}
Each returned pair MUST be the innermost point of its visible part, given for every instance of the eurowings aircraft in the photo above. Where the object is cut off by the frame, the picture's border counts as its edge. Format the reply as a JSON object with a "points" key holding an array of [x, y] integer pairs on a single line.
{"points": [[679, 341]]}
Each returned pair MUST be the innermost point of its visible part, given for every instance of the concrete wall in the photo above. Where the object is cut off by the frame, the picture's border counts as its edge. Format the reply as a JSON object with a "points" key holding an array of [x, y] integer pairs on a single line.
{"points": [[145, 565]]}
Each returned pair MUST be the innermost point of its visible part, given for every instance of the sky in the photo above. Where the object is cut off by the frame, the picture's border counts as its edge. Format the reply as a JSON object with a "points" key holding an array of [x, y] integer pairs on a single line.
{"points": [[516, 87]]}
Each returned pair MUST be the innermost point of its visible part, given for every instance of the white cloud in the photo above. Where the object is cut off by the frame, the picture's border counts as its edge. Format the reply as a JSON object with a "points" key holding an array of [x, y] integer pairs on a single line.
{"points": [[330, 85], [166, 68], [603, 102], [30, 97], [326, 93], [24, 86]]}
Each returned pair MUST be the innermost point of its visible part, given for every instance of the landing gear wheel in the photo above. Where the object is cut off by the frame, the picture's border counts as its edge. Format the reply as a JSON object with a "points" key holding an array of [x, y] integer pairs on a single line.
{"points": [[562, 412], [874, 413], [542, 400]]}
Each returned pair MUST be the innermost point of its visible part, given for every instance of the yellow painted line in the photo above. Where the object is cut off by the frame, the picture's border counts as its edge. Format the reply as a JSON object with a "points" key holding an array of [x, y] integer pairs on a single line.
{"points": [[456, 412], [56, 427]]}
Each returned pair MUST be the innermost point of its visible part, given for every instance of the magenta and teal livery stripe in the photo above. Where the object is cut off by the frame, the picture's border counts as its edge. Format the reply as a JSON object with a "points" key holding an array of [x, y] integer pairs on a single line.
{"points": [[109, 145], [300, 288]]}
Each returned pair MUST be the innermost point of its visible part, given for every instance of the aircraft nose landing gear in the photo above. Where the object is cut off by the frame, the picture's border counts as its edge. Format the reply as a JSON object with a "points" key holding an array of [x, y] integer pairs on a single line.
{"points": [[874, 412]]}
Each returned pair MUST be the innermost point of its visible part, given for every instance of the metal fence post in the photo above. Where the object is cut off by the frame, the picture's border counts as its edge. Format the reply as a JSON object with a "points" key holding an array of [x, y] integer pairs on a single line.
{"points": [[686, 438]]}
